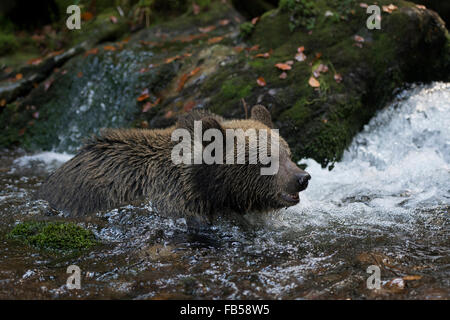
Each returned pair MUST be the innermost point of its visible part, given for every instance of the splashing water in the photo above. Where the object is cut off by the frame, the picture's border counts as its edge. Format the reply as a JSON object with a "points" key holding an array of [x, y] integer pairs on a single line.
{"points": [[386, 203]]}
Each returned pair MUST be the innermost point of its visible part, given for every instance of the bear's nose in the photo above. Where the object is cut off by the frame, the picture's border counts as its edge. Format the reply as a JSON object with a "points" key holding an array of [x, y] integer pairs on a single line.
{"points": [[303, 179]]}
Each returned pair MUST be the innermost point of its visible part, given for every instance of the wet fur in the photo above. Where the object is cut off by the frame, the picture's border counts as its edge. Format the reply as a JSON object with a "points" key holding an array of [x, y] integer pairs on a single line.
{"points": [[122, 166]]}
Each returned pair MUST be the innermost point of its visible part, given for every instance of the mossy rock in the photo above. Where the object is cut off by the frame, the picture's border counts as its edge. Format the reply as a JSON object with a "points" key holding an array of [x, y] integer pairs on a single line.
{"points": [[53, 235]]}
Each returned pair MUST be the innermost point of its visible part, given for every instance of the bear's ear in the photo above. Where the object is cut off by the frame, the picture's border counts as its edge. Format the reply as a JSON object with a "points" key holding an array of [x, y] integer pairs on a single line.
{"points": [[207, 122], [261, 114]]}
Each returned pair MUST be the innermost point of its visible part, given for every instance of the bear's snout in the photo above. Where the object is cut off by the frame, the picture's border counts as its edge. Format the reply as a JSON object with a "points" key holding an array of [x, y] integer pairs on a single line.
{"points": [[302, 180]]}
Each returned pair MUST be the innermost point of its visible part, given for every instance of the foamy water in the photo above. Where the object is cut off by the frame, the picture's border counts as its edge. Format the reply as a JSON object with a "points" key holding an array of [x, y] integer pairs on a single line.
{"points": [[398, 163]]}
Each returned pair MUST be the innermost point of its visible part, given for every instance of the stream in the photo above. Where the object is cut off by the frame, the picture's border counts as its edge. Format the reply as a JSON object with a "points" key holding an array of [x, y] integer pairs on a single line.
{"points": [[385, 204]]}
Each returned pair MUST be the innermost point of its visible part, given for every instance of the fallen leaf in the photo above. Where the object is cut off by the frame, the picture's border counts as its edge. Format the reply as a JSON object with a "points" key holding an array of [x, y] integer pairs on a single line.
{"points": [[289, 62], [390, 8], [19, 76], [411, 278], [35, 61], [313, 82], [148, 105], [322, 68], [8, 70], [255, 20], [188, 106], [109, 48], [224, 22], [48, 84], [300, 49], [195, 8], [337, 77], [144, 124], [363, 5], [358, 39], [113, 19], [254, 48], [169, 60], [143, 97], [215, 40], [2, 102], [300, 57], [283, 66], [261, 82], [206, 29], [185, 77], [92, 51], [36, 115], [168, 114], [238, 49], [421, 6], [86, 16], [283, 75], [262, 55], [79, 74]]}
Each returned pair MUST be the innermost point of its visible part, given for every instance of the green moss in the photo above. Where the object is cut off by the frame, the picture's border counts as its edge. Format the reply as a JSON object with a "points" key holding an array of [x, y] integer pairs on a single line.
{"points": [[300, 112], [8, 43], [53, 235], [232, 89], [246, 29], [302, 13]]}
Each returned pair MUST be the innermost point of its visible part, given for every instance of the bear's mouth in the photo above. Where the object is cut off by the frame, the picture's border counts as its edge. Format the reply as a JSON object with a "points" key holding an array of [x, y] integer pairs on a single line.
{"points": [[291, 198]]}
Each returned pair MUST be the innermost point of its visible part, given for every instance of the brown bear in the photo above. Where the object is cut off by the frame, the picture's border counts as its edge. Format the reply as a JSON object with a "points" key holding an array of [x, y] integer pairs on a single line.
{"points": [[122, 166]]}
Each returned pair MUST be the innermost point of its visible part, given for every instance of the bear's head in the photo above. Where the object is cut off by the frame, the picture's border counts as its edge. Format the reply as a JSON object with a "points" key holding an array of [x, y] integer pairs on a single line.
{"points": [[238, 165]]}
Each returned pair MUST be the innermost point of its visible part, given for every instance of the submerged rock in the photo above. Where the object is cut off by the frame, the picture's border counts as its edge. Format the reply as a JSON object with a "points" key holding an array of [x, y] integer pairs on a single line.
{"points": [[335, 74]]}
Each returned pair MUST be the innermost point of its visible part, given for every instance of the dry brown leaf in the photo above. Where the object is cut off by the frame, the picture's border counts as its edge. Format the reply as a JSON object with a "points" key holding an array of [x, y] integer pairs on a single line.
{"points": [[262, 55], [169, 114], [390, 8], [113, 19], [363, 5], [283, 66], [358, 39], [195, 8], [261, 82], [300, 49], [254, 48], [206, 29], [188, 106], [2, 102], [421, 6], [255, 20], [224, 22], [169, 60], [19, 76], [92, 51], [143, 97], [300, 57], [79, 74], [283, 75], [35, 61], [313, 82], [109, 48], [215, 40], [148, 105], [411, 278], [337, 77], [48, 84], [86, 16]]}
